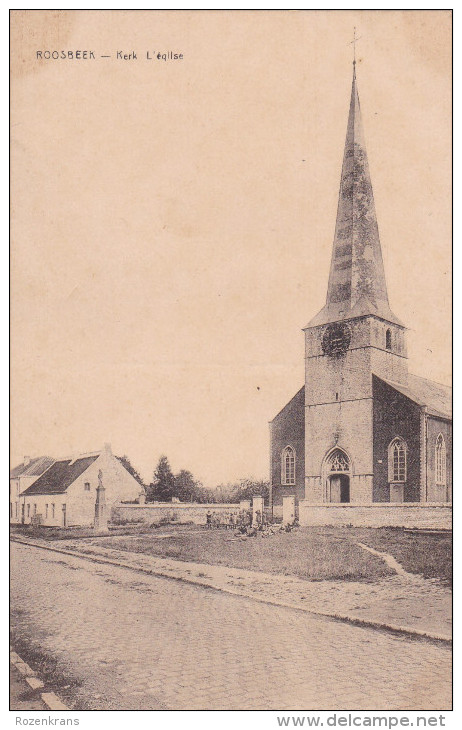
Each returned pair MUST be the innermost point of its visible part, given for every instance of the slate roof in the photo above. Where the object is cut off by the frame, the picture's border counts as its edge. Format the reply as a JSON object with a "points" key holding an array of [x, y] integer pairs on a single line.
{"points": [[34, 468], [135, 476], [60, 476], [357, 285], [297, 395], [435, 396]]}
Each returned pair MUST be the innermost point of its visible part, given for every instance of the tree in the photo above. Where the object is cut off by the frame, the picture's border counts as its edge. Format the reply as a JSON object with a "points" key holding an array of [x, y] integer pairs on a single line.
{"points": [[187, 489], [234, 492], [249, 488], [162, 487]]}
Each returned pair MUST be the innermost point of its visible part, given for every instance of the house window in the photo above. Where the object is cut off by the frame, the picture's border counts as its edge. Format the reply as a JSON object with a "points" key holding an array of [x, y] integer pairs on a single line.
{"points": [[16, 509], [35, 509], [440, 460], [46, 510], [388, 339], [53, 511], [28, 510], [397, 461], [87, 486], [288, 466]]}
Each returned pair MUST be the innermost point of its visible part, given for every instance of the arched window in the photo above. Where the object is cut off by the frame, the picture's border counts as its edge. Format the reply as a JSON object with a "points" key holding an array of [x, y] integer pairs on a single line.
{"points": [[388, 339], [288, 466], [440, 460], [397, 461], [338, 461]]}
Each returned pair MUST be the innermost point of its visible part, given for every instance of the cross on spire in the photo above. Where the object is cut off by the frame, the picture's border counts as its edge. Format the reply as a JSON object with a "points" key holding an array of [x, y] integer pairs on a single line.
{"points": [[353, 43]]}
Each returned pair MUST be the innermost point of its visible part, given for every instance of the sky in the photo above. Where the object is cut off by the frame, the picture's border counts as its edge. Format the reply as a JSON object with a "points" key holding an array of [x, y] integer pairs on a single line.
{"points": [[172, 221]]}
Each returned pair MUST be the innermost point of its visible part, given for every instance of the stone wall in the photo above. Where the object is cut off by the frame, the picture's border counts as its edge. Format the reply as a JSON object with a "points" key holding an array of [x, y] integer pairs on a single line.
{"points": [[406, 514], [352, 421], [157, 512]]}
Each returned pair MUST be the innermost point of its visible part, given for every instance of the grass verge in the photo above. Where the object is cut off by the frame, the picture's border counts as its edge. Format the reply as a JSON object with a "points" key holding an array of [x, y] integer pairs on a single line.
{"points": [[423, 554], [312, 553], [60, 533], [308, 554]]}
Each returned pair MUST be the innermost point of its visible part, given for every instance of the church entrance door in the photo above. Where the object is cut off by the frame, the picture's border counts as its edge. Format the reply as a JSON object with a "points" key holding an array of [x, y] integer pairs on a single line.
{"points": [[336, 472], [339, 488]]}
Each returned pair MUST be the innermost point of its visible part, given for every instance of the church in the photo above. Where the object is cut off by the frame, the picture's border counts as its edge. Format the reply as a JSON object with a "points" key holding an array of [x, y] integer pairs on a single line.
{"points": [[363, 431]]}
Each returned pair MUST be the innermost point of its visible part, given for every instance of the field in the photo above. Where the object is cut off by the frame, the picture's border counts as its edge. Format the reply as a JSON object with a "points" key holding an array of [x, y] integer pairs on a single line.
{"points": [[312, 553], [320, 553]]}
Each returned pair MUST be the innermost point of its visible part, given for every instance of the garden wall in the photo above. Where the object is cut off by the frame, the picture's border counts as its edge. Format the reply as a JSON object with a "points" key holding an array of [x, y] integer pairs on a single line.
{"points": [[157, 512], [406, 514]]}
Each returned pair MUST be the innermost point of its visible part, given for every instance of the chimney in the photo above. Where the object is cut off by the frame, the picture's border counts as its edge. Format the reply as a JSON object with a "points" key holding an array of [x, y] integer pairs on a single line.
{"points": [[107, 449], [26, 460]]}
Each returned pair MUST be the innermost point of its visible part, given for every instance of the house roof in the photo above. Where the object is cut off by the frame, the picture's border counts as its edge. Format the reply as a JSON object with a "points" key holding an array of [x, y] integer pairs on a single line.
{"points": [[132, 473], [60, 475], [435, 396], [33, 468]]}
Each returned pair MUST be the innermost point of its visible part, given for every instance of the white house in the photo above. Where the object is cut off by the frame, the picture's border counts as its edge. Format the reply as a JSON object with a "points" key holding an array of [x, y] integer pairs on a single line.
{"points": [[64, 495], [21, 477]]}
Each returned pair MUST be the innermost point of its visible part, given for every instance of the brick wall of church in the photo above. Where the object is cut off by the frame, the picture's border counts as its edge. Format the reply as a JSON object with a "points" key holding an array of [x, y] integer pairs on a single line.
{"points": [[288, 429], [395, 415]]}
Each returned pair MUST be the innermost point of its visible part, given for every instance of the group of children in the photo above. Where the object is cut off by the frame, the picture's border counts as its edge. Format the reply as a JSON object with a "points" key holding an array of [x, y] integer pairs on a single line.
{"points": [[246, 523], [229, 520]]}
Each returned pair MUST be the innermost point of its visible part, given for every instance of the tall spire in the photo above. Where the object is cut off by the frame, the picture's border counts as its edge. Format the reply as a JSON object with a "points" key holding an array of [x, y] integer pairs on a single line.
{"points": [[357, 283]]}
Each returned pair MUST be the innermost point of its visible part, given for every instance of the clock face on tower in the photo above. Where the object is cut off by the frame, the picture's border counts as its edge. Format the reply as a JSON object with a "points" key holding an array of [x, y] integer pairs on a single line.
{"points": [[336, 339]]}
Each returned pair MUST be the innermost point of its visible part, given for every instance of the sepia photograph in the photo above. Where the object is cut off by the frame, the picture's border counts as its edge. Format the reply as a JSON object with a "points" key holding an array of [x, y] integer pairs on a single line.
{"points": [[231, 363]]}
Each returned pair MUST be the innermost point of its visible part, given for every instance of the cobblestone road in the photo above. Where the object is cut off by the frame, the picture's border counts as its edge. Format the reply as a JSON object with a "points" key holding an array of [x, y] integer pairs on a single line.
{"points": [[408, 601], [140, 642]]}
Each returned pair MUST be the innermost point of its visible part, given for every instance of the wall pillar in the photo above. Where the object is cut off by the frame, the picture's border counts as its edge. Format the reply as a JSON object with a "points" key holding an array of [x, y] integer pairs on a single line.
{"points": [[257, 506], [288, 510]]}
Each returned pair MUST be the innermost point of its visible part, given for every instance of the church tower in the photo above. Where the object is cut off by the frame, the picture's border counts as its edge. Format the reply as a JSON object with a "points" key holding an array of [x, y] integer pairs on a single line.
{"points": [[354, 336]]}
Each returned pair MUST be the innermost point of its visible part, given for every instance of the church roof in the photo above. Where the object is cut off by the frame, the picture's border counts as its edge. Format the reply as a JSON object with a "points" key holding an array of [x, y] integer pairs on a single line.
{"points": [[357, 285], [298, 395], [435, 396], [31, 467], [60, 476]]}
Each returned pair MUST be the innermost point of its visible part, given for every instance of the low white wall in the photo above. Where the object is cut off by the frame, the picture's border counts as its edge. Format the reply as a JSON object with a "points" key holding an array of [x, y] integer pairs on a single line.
{"points": [[405, 514], [155, 512], [277, 511]]}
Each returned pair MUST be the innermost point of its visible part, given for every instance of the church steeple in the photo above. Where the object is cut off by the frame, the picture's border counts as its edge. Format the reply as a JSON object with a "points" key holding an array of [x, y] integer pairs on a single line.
{"points": [[357, 285]]}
